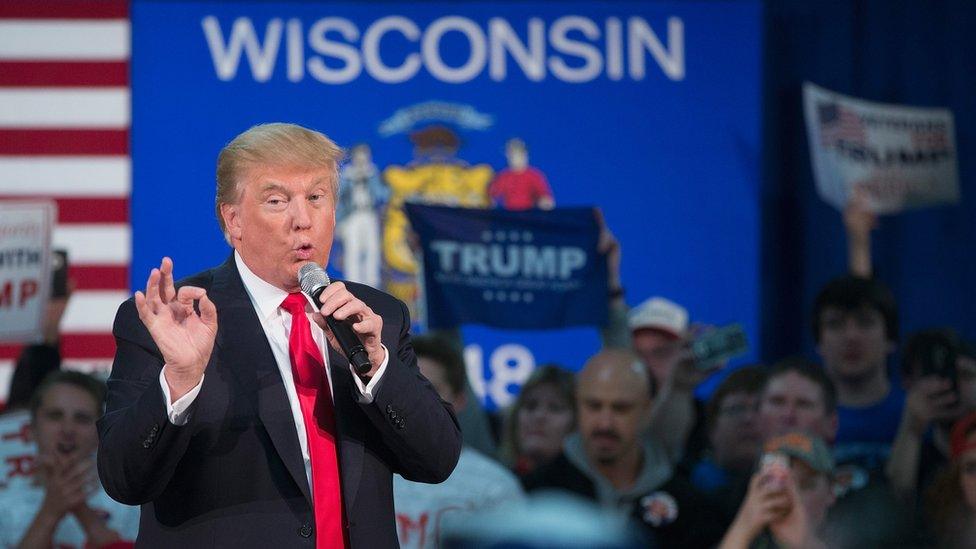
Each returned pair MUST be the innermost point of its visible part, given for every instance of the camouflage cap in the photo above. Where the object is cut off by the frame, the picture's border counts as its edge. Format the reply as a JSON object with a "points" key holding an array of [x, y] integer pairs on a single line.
{"points": [[803, 446]]}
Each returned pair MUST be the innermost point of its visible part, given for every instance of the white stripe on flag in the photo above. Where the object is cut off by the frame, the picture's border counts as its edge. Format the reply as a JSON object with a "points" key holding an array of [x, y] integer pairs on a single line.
{"points": [[99, 176], [64, 108], [92, 311], [35, 39], [95, 243]]}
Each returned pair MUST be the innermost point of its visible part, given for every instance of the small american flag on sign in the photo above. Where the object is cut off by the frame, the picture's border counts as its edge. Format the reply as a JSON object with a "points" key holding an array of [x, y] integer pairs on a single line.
{"points": [[838, 123]]}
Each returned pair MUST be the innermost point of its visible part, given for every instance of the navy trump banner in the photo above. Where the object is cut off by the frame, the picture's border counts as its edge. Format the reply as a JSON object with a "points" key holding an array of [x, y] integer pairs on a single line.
{"points": [[522, 270]]}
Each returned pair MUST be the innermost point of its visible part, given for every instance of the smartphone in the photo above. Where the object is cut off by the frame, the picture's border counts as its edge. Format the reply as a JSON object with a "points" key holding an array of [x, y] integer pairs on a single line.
{"points": [[938, 354], [716, 346], [775, 467], [59, 273]]}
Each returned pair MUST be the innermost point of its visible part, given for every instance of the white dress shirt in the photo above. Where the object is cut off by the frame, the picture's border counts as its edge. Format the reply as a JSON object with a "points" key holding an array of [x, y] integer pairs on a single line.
{"points": [[276, 322]]}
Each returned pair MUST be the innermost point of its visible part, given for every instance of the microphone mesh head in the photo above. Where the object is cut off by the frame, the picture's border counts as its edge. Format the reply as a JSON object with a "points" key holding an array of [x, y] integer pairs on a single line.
{"points": [[312, 277]]}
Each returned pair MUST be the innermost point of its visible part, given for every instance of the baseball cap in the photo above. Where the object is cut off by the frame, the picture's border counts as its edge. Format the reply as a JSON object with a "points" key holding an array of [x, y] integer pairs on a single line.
{"points": [[661, 314], [803, 446]]}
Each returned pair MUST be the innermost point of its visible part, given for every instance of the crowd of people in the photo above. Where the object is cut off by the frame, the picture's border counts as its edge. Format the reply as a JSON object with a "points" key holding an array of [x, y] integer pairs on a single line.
{"points": [[841, 451]]}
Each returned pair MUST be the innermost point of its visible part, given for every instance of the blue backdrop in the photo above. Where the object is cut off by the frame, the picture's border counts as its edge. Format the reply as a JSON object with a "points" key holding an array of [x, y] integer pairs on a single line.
{"points": [[649, 110]]}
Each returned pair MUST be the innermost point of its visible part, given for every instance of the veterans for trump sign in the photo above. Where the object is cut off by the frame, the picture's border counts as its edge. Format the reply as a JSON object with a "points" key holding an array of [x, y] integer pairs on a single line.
{"points": [[900, 157], [25, 268], [530, 269]]}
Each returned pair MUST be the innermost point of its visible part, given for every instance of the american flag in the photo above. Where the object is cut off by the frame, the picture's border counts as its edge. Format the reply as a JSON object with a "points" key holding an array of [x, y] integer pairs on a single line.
{"points": [[64, 135], [837, 122]]}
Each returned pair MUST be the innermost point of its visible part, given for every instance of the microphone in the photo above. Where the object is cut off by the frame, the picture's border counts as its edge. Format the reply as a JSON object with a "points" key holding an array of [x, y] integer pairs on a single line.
{"points": [[313, 281]]}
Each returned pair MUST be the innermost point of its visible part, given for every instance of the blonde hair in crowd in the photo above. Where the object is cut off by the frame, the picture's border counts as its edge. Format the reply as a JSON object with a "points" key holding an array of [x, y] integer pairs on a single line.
{"points": [[275, 144]]}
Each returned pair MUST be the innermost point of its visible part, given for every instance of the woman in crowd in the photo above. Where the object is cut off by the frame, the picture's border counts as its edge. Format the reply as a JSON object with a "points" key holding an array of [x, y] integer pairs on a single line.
{"points": [[952, 498], [541, 417]]}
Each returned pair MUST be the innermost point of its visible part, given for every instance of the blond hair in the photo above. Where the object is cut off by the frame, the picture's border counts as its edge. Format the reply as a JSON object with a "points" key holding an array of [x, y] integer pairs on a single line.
{"points": [[275, 144]]}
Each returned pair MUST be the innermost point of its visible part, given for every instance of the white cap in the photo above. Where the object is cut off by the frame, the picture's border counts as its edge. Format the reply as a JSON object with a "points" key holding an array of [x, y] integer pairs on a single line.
{"points": [[661, 314]]}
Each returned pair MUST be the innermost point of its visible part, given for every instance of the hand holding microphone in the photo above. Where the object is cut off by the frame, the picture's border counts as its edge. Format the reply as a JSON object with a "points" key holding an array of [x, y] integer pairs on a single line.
{"points": [[351, 326]]}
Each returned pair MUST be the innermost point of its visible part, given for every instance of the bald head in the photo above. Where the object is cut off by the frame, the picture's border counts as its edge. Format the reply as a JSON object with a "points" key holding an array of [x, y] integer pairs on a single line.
{"points": [[617, 369], [614, 400]]}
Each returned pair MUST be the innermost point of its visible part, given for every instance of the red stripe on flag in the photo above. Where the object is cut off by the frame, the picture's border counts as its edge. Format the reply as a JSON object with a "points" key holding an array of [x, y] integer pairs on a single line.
{"points": [[64, 9], [85, 210], [64, 142], [88, 345], [64, 73], [93, 210], [83, 346], [99, 277]]}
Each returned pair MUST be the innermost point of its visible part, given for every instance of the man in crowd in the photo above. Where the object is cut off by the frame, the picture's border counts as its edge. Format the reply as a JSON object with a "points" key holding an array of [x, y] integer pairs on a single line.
{"points": [[61, 504], [788, 497], [922, 446], [233, 415], [734, 438], [855, 326], [612, 461], [798, 396], [477, 483]]}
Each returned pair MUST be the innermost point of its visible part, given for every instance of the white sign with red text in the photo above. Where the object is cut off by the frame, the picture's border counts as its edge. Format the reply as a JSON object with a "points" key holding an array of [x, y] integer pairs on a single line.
{"points": [[900, 157], [25, 268]]}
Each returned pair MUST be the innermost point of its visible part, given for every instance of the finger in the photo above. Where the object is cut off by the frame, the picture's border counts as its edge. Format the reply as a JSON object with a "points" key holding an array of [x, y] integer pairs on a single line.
{"points": [[186, 296], [331, 301], [208, 312], [167, 289], [142, 307], [369, 325], [354, 309], [152, 291]]}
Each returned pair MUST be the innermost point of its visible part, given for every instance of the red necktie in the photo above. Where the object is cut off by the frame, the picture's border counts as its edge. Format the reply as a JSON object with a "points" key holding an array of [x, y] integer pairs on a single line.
{"points": [[315, 399]]}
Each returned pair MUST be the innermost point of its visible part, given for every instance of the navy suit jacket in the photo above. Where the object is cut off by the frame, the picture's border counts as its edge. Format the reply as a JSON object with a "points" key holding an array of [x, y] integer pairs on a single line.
{"points": [[233, 476]]}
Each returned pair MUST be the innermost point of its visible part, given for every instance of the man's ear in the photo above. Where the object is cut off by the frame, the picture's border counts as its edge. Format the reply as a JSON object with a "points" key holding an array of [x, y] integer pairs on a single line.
{"points": [[232, 220]]}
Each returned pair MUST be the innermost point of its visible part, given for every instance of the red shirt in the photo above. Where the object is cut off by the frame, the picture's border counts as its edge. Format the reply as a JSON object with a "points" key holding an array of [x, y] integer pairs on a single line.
{"points": [[519, 190]]}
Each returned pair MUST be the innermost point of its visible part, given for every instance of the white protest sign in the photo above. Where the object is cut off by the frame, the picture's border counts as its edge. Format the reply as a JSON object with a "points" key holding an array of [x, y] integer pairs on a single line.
{"points": [[25, 268], [902, 157]]}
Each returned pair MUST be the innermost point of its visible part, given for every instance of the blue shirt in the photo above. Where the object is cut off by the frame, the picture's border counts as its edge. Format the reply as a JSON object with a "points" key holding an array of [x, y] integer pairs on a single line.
{"points": [[865, 434]]}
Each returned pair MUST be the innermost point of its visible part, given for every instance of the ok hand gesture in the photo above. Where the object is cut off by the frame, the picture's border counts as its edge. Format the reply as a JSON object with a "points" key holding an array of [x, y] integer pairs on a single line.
{"points": [[184, 337]]}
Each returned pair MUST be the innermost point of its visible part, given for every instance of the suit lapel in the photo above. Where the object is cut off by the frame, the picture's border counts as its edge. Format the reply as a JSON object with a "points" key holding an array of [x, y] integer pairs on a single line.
{"points": [[350, 449], [243, 350]]}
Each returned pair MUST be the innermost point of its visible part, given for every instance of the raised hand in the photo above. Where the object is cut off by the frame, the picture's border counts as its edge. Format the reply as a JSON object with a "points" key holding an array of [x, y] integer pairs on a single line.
{"points": [[184, 337], [341, 304]]}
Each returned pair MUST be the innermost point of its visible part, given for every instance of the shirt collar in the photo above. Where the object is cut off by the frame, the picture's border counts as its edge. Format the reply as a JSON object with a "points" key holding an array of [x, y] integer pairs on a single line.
{"points": [[265, 297]]}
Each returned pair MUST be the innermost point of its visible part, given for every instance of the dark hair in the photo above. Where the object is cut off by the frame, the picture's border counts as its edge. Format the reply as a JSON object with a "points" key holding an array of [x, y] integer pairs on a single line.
{"points": [[564, 382], [849, 293], [747, 379], [920, 345], [85, 382], [810, 370], [443, 351], [34, 364]]}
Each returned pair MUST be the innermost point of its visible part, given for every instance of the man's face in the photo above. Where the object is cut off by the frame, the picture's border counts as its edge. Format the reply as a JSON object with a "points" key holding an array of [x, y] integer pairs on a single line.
{"points": [[518, 158], [657, 350], [64, 423], [792, 402], [816, 493], [966, 376], [434, 372], [612, 417], [853, 343], [735, 438], [285, 217]]}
